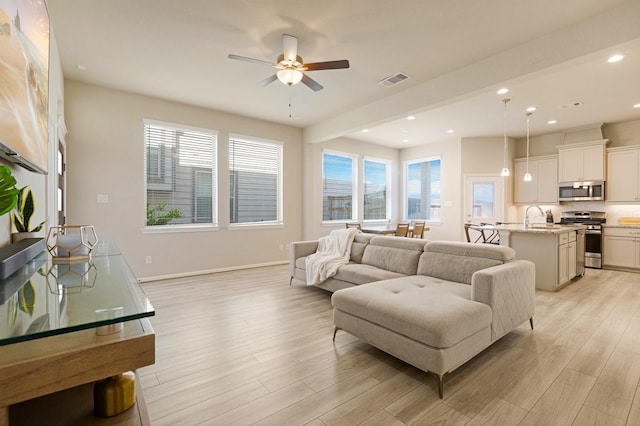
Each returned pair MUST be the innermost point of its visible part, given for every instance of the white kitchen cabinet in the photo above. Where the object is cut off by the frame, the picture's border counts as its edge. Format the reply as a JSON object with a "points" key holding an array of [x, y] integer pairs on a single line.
{"points": [[582, 162], [621, 247], [566, 257], [543, 187], [623, 174]]}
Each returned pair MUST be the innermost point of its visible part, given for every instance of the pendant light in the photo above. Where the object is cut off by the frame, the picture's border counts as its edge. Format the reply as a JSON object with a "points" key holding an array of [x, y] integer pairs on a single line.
{"points": [[505, 149], [527, 176]]}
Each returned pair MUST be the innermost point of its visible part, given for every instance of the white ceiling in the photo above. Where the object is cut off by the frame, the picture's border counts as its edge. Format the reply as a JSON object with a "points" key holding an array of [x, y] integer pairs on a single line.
{"points": [[457, 52]]}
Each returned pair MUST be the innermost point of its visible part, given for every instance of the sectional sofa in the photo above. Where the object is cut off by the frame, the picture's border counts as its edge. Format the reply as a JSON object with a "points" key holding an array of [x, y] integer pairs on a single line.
{"points": [[435, 305]]}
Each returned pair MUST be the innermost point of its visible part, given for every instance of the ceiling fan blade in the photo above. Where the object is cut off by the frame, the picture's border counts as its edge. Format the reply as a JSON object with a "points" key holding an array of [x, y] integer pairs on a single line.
{"points": [[255, 61], [311, 83], [328, 65], [268, 80], [289, 47]]}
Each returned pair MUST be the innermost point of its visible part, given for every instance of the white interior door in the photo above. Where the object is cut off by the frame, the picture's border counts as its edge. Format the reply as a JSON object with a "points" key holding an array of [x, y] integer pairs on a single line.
{"points": [[483, 199]]}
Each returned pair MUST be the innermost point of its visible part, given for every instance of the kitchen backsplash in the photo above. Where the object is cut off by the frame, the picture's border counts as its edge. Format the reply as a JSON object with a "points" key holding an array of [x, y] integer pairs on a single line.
{"points": [[614, 211]]}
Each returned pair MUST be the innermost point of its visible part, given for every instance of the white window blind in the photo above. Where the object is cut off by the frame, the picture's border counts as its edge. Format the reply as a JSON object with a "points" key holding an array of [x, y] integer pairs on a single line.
{"points": [[338, 187], [422, 187], [255, 181], [375, 190], [180, 166]]}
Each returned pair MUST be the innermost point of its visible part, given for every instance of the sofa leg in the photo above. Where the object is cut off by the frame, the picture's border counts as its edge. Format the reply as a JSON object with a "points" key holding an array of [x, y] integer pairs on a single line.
{"points": [[531, 322], [290, 280], [441, 385], [335, 331]]}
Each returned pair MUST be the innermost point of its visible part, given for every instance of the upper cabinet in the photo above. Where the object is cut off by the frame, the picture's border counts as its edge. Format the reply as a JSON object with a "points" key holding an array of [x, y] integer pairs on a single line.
{"points": [[581, 162], [543, 187], [623, 174]]}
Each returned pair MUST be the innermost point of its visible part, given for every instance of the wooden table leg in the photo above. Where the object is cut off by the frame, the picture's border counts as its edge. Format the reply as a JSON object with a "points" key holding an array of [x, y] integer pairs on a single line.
{"points": [[4, 416]]}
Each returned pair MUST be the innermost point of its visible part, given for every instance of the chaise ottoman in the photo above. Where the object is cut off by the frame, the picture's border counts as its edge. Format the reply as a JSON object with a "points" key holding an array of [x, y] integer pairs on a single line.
{"points": [[431, 325]]}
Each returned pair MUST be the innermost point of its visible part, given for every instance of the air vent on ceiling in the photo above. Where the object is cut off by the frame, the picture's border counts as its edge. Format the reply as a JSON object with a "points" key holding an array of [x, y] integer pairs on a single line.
{"points": [[571, 105], [394, 79]]}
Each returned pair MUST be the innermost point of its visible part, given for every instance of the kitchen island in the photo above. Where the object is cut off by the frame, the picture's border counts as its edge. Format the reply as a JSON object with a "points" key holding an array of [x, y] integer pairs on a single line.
{"points": [[556, 250]]}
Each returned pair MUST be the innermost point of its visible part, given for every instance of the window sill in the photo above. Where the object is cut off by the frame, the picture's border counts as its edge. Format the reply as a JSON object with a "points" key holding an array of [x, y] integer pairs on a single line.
{"points": [[171, 229], [254, 225]]}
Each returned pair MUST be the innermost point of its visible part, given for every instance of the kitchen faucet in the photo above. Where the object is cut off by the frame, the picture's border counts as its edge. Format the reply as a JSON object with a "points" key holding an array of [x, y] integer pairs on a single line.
{"points": [[526, 214]]}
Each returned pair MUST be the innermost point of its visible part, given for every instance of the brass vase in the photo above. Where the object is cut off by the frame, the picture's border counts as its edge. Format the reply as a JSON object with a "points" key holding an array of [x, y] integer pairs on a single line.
{"points": [[114, 395]]}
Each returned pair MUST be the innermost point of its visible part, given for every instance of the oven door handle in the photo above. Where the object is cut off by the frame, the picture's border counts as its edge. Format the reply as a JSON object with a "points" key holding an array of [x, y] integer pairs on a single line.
{"points": [[593, 232]]}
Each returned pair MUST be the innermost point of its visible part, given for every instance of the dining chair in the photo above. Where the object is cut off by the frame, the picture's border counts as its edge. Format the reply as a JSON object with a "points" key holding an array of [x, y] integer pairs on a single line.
{"points": [[353, 225], [481, 237], [418, 229], [402, 230]]}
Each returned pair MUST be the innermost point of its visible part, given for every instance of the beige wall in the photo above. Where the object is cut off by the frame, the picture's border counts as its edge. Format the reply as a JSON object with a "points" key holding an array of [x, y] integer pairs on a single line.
{"points": [[312, 198], [619, 134], [105, 156]]}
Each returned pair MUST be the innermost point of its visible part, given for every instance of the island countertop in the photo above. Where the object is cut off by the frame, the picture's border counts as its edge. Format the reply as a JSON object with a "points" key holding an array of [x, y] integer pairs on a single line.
{"points": [[536, 228]]}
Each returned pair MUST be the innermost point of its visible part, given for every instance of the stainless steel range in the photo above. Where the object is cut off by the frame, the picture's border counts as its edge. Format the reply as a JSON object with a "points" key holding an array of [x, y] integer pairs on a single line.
{"points": [[593, 234]]}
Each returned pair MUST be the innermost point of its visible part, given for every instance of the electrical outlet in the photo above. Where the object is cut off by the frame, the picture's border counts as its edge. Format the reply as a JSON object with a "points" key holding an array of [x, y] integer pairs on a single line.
{"points": [[148, 260], [281, 247]]}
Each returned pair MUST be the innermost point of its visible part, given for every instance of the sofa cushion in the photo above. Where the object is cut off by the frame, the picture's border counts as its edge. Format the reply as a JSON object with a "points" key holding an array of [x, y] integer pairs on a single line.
{"points": [[361, 274], [357, 247], [435, 312], [396, 254], [457, 261]]}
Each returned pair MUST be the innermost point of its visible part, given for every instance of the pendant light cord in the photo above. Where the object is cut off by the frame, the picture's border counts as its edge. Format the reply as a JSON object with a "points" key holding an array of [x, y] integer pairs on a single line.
{"points": [[505, 170], [528, 116]]}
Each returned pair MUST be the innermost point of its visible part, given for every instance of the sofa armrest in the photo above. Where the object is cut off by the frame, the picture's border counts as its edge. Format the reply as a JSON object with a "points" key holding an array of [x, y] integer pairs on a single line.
{"points": [[510, 290], [298, 249]]}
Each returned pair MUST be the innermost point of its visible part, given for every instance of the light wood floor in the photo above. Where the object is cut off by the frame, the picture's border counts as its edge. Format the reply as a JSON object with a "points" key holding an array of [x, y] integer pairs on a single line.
{"points": [[244, 347]]}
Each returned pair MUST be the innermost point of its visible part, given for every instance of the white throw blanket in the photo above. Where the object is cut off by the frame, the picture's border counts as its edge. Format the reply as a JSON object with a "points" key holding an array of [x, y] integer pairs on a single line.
{"points": [[333, 251]]}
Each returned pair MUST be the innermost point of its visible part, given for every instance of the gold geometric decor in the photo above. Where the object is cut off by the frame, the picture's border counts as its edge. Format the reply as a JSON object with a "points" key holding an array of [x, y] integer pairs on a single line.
{"points": [[71, 243]]}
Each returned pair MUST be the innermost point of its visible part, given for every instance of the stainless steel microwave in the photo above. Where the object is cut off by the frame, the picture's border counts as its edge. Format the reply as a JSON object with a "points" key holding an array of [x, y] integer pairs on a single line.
{"points": [[581, 191]]}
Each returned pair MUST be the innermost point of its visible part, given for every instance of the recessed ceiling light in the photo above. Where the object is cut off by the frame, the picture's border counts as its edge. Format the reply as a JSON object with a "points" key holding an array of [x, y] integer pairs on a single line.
{"points": [[552, 121], [365, 130], [450, 131], [405, 140], [411, 117], [615, 58], [405, 130], [637, 105], [81, 67], [502, 91], [531, 109]]}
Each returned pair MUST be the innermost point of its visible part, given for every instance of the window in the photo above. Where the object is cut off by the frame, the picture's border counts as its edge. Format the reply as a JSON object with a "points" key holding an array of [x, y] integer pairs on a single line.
{"points": [[422, 189], [180, 166], [255, 181], [338, 187], [375, 190], [483, 199]]}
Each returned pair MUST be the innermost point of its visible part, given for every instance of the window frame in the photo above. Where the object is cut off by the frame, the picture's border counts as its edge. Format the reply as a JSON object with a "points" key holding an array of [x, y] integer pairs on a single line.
{"points": [[405, 192], [168, 180], [279, 221], [387, 184], [355, 200]]}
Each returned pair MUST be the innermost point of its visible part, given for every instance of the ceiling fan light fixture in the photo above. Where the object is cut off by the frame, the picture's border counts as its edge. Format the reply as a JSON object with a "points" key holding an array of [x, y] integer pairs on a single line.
{"points": [[289, 76]]}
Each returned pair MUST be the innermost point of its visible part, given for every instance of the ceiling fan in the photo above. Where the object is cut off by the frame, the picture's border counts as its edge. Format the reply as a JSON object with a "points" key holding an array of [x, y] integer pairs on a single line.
{"points": [[291, 66]]}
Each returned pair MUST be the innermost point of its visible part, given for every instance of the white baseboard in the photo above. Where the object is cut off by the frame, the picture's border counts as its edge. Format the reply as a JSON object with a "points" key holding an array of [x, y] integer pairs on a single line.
{"points": [[210, 271]]}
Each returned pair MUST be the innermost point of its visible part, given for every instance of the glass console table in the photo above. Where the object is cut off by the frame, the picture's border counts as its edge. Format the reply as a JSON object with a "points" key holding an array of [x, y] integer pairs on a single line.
{"points": [[67, 324]]}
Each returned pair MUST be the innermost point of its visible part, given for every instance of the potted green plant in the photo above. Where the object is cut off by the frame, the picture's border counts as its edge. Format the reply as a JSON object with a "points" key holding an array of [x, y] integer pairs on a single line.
{"points": [[8, 190], [21, 215]]}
